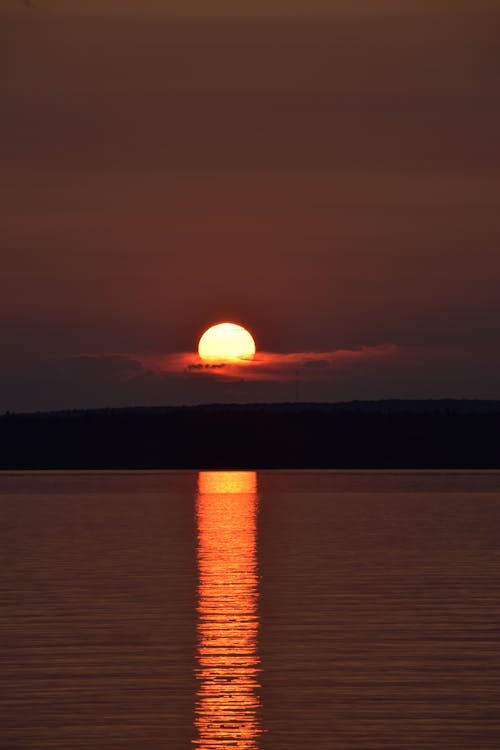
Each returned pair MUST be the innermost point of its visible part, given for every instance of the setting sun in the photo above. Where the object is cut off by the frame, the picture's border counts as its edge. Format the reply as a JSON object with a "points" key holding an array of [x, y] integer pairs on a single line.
{"points": [[226, 342]]}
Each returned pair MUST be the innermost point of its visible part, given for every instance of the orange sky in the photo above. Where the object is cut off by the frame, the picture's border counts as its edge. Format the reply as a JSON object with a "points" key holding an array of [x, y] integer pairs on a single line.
{"points": [[331, 183]]}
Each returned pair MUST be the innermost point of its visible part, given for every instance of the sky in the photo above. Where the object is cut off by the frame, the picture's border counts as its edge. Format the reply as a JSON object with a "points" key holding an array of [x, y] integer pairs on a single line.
{"points": [[326, 174]]}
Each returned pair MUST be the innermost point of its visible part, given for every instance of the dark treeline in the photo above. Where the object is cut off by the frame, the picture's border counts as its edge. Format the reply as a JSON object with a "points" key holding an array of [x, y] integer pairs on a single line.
{"points": [[382, 434]]}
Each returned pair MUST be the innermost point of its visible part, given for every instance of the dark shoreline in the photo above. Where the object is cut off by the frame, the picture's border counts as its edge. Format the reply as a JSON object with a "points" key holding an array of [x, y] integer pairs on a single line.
{"points": [[440, 434]]}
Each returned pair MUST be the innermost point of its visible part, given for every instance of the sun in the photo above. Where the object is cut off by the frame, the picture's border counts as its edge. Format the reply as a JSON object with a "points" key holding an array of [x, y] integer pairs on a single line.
{"points": [[226, 342]]}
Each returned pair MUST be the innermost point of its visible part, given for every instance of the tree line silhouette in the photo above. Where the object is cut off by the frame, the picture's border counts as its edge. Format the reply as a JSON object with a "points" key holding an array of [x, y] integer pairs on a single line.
{"points": [[355, 435]]}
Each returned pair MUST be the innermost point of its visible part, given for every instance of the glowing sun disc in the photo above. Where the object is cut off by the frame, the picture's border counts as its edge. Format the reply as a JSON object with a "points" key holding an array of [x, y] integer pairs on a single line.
{"points": [[226, 342]]}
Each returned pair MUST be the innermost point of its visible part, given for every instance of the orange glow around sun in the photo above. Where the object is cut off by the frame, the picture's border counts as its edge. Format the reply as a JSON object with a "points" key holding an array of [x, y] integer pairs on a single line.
{"points": [[226, 342]]}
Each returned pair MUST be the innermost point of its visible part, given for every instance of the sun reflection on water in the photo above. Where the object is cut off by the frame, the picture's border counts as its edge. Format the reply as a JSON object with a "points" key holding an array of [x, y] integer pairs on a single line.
{"points": [[227, 700]]}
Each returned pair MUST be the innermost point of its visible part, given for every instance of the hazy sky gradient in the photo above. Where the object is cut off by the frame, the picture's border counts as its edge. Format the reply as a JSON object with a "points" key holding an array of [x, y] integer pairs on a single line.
{"points": [[328, 176]]}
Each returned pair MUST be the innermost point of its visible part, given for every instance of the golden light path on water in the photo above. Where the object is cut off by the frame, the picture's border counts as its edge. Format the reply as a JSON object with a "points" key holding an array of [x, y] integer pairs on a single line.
{"points": [[227, 700]]}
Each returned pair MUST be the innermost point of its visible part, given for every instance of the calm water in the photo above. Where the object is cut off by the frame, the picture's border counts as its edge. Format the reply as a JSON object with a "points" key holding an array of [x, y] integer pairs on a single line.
{"points": [[250, 611]]}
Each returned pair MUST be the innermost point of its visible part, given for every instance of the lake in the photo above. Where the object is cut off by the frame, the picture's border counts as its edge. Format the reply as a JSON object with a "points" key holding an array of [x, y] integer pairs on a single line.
{"points": [[253, 611]]}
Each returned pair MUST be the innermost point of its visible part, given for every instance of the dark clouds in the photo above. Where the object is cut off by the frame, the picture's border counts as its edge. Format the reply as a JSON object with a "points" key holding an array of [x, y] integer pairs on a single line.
{"points": [[135, 380], [374, 372]]}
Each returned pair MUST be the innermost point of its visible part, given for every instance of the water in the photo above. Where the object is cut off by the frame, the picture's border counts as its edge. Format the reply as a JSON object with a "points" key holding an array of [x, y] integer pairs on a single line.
{"points": [[250, 611]]}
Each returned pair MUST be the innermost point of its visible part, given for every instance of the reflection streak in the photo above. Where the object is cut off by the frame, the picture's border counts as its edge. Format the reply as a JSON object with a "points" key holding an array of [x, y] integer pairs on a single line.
{"points": [[227, 701]]}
